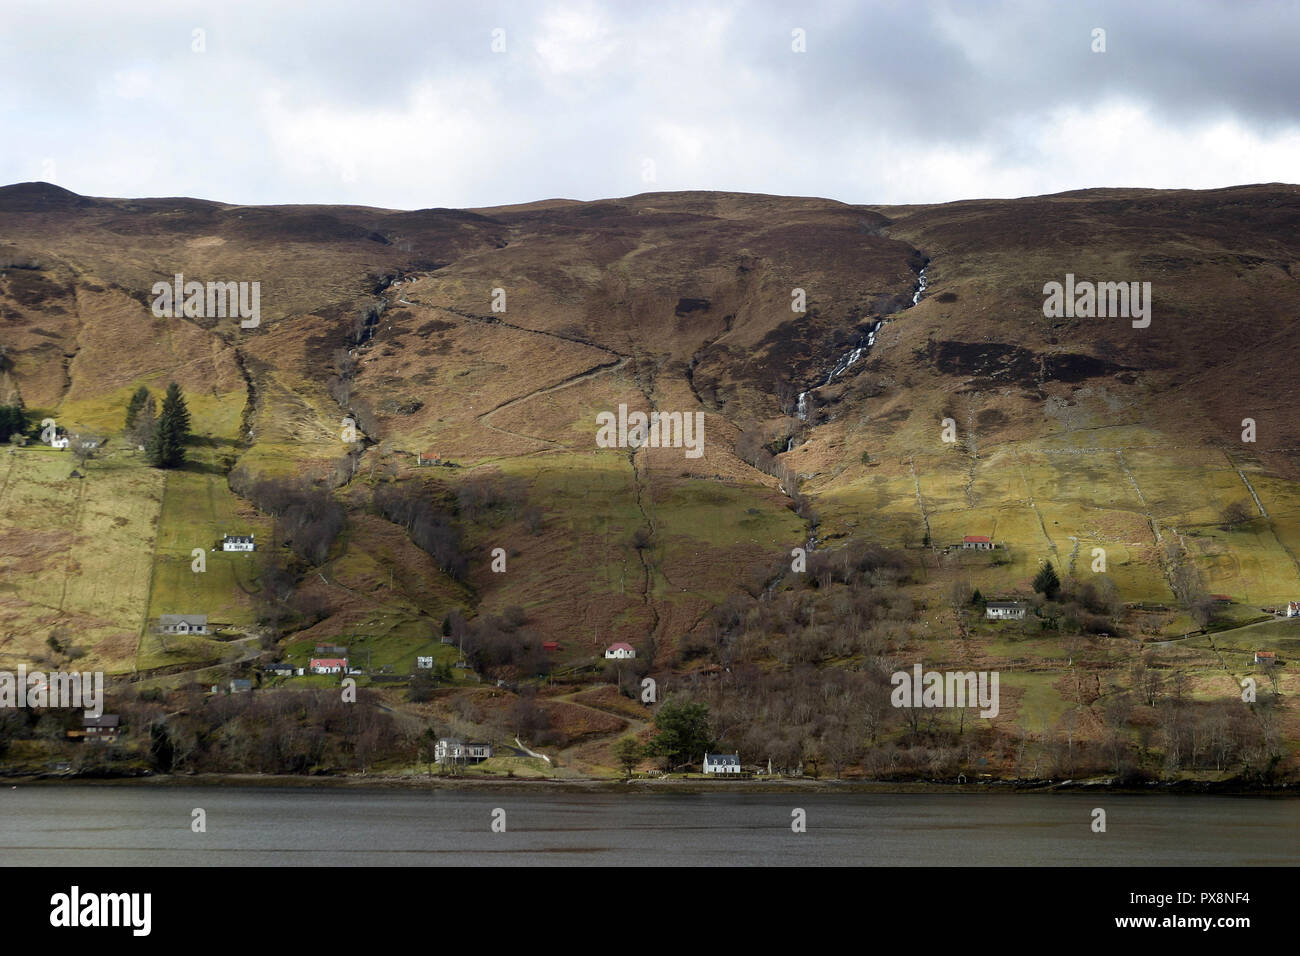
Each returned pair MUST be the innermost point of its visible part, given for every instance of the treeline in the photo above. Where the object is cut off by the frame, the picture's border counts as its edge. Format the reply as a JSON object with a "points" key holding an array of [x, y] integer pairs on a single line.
{"points": [[827, 721], [847, 603], [431, 529], [289, 732], [504, 640], [295, 732], [284, 732], [307, 519]]}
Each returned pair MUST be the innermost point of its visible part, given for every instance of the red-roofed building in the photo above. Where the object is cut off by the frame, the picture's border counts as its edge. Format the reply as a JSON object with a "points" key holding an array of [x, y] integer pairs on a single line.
{"points": [[328, 665], [1265, 657], [550, 645], [620, 651], [977, 541], [429, 458]]}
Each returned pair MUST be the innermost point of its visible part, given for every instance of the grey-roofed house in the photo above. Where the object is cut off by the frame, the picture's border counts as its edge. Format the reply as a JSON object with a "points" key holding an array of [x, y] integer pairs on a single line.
{"points": [[183, 623], [241, 685], [279, 669], [721, 763]]}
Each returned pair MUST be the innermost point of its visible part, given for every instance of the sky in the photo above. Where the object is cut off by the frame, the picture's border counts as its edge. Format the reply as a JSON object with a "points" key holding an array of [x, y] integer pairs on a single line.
{"points": [[419, 104]]}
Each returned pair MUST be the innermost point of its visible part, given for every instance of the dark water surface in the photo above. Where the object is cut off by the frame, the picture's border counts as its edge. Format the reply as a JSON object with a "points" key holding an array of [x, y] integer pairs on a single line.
{"points": [[135, 826]]}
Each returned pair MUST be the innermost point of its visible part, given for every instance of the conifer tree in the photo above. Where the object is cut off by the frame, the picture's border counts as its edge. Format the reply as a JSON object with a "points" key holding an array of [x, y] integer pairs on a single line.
{"points": [[133, 407], [167, 446], [180, 410], [1046, 582], [146, 421]]}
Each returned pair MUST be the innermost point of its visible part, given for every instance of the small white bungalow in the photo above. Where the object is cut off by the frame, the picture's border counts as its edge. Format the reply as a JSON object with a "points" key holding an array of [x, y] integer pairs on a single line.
{"points": [[183, 623], [620, 652]]}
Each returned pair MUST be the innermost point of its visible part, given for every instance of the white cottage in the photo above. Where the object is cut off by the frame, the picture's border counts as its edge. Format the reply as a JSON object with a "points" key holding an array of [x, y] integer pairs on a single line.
{"points": [[620, 652], [722, 763], [238, 542]]}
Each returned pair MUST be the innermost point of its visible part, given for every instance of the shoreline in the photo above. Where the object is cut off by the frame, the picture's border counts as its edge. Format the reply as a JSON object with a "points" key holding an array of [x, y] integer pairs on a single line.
{"points": [[649, 786]]}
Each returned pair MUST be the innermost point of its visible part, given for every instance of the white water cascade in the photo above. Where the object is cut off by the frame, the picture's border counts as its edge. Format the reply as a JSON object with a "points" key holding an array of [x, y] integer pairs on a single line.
{"points": [[853, 355], [920, 284]]}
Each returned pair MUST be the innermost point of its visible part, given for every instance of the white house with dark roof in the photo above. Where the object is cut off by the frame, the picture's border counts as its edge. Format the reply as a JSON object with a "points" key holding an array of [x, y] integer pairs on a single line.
{"points": [[1005, 610], [238, 542], [183, 623], [721, 763]]}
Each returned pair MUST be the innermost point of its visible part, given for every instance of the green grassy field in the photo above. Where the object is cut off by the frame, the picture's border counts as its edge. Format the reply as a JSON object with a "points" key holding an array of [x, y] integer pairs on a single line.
{"points": [[77, 552]]}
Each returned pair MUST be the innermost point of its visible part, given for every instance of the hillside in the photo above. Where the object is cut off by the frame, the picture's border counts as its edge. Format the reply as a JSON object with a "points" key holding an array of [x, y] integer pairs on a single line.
{"points": [[492, 338]]}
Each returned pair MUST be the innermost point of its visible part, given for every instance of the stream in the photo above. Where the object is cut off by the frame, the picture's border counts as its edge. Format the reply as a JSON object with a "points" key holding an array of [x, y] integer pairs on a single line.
{"points": [[853, 355], [846, 362]]}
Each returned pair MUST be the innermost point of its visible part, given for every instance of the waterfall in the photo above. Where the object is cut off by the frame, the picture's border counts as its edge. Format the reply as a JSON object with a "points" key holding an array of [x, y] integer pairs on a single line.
{"points": [[920, 284], [855, 354], [851, 357]]}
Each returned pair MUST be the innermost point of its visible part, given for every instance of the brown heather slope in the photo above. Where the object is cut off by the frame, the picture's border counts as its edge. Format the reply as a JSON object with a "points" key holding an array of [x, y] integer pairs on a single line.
{"points": [[1073, 434]]}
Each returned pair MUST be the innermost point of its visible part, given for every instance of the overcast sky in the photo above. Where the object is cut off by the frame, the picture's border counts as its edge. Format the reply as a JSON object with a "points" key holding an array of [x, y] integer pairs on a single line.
{"points": [[407, 105]]}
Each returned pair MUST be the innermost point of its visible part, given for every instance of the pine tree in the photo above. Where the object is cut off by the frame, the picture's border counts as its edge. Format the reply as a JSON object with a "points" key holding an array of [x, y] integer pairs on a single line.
{"points": [[1046, 582], [133, 407], [13, 421], [179, 410], [167, 446], [163, 449], [146, 422]]}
